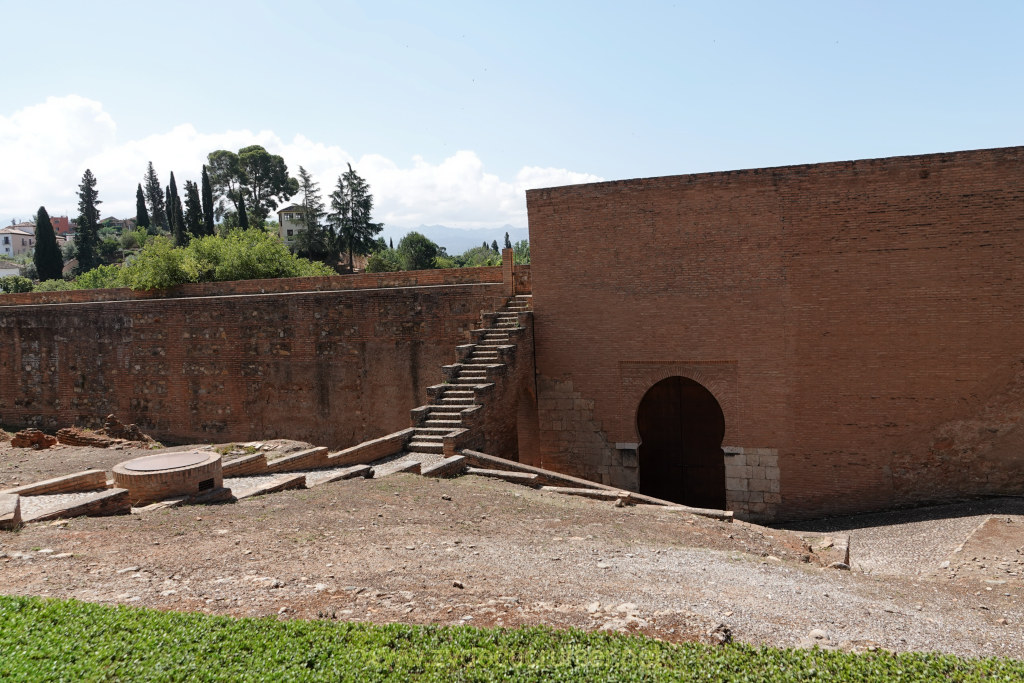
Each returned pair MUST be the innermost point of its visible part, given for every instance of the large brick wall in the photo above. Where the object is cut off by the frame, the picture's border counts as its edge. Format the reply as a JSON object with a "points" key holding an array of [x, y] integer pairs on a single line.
{"points": [[860, 324], [226, 362]]}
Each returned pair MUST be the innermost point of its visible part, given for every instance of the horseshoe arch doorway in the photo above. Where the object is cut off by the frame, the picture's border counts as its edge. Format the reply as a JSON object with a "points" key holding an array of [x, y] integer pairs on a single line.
{"points": [[681, 427]]}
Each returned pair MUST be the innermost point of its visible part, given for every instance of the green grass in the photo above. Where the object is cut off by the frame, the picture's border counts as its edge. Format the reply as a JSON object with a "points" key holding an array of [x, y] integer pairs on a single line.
{"points": [[51, 640]]}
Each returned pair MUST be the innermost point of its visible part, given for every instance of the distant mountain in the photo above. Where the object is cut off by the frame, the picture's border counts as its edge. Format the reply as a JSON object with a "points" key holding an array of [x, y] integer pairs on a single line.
{"points": [[458, 240]]}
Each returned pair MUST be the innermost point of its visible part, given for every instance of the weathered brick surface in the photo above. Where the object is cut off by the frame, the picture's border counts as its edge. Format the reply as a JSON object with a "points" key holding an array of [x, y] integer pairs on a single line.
{"points": [[861, 318], [334, 368]]}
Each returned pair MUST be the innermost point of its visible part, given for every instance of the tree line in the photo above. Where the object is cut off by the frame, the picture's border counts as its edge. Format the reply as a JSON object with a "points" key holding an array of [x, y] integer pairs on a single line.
{"points": [[240, 190]]}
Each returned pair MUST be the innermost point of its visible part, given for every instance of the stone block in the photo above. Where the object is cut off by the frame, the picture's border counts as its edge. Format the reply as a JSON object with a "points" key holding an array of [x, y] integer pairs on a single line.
{"points": [[755, 497], [10, 511], [735, 484], [759, 485], [769, 460], [773, 498]]}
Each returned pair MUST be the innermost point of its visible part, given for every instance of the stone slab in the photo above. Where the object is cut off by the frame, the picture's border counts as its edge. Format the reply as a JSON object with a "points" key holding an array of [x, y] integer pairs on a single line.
{"points": [[88, 480], [100, 504], [517, 477], [282, 483], [446, 468], [346, 473]]}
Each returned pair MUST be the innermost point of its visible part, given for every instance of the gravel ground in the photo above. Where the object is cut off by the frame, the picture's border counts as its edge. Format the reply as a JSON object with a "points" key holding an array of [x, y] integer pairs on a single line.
{"points": [[485, 552]]}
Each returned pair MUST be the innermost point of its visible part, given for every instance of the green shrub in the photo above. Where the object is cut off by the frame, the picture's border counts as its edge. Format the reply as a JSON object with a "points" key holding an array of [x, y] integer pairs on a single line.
{"points": [[384, 261], [101, 277], [241, 255], [53, 286], [15, 284]]}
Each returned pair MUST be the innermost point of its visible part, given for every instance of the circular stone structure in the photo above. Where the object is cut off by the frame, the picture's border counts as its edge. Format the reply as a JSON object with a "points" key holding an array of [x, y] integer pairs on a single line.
{"points": [[157, 477]]}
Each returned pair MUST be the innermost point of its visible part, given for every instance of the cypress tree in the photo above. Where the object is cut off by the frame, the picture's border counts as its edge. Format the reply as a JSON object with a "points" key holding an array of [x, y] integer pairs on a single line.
{"points": [[87, 239], [141, 215], [155, 196], [494, 246], [243, 217], [175, 214], [207, 203], [193, 211], [48, 258], [508, 242]]}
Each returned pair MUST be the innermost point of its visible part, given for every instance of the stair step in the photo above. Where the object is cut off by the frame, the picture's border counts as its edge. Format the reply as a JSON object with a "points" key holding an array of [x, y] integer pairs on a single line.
{"points": [[457, 401], [429, 438], [436, 431], [447, 425], [425, 447]]}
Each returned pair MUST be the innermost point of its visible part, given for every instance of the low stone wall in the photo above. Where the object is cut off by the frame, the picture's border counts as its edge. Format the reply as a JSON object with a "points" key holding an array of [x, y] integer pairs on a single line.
{"points": [[89, 480]]}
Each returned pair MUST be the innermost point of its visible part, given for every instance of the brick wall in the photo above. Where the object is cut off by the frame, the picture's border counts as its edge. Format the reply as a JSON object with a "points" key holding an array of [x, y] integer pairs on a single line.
{"points": [[331, 367], [858, 318]]}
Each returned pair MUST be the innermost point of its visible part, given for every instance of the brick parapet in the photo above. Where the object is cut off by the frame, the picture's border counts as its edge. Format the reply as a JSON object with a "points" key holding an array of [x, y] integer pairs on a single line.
{"points": [[335, 283]]}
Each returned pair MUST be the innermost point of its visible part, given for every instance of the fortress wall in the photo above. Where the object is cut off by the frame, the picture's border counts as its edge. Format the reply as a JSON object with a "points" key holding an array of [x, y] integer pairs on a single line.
{"points": [[864, 319], [331, 367]]}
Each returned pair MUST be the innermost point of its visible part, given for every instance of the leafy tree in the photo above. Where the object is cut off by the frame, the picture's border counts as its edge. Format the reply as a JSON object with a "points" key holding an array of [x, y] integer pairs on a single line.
{"points": [[478, 256], [417, 252], [207, 200], [141, 215], [47, 258], [109, 250], [254, 174], [226, 180], [267, 181], [351, 219], [155, 197], [384, 261], [193, 211], [508, 242], [521, 252], [88, 221]]}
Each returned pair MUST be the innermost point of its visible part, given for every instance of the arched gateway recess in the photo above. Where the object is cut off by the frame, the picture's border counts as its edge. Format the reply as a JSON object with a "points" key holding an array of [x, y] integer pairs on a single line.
{"points": [[681, 428]]}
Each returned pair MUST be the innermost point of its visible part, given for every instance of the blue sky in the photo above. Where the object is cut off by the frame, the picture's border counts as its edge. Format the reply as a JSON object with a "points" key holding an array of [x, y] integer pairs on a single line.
{"points": [[452, 110]]}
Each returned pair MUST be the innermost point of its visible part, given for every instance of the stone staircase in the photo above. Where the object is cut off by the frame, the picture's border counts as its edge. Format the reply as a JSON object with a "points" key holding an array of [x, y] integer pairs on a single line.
{"points": [[448, 421]]}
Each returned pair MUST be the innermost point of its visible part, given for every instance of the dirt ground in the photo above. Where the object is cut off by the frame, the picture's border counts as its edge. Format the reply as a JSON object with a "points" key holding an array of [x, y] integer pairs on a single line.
{"points": [[483, 552]]}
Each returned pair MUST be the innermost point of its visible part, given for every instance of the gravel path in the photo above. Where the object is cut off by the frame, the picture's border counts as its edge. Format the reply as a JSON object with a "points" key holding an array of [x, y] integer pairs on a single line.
{"points": [[472, 550]]}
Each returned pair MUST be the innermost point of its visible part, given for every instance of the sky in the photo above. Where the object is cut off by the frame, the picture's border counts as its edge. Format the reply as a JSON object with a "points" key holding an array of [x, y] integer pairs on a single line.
{"points": [[451, 110]]}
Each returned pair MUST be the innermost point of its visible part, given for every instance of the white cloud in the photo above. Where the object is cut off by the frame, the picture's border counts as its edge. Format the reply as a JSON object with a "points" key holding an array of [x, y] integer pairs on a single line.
{"points": [[47, 147]]}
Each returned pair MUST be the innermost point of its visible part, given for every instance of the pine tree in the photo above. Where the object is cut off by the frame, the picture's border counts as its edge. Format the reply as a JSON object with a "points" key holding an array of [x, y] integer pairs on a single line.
{"points": [[193, 211], [314, 241], [141, 215], [243, 216], [353, 204], [207, 203], [155, 197], [175, 214], [87, 239], [48, 258], [508, 242]]}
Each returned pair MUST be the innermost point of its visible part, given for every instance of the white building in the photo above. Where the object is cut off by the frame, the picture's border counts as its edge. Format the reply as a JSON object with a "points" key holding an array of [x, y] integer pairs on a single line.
{"points": [[289, 221], [16, 240]]}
